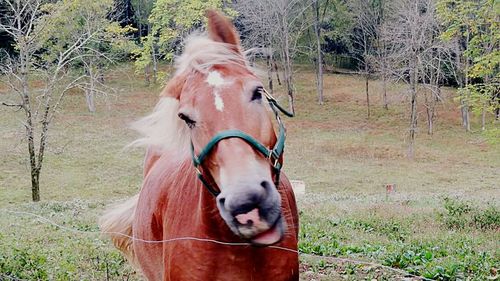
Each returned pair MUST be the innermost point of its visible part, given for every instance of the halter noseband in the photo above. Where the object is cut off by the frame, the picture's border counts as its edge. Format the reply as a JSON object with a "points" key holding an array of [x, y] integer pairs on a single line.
{"points": [[274, 154]]}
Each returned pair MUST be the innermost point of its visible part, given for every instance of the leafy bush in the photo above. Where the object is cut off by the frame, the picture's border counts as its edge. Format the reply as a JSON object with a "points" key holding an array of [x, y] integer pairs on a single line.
{"points": [[488, 218], [492, 135], [455, 215], [460, 214]]}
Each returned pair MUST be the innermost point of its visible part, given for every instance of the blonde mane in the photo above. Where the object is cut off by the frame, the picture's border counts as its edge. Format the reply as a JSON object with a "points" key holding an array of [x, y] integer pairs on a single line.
{"points": [[162, 130], [201, 53]]}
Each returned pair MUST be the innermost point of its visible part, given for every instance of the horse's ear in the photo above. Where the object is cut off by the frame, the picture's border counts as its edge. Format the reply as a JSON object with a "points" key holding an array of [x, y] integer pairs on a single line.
{"points": [[174, 87], [221, 29]]}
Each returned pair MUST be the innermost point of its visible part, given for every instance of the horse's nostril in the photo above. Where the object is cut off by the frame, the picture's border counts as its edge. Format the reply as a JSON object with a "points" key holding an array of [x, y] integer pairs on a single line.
{"points": [[249, 218], [244, 208], [265, 184], [222, 201]]}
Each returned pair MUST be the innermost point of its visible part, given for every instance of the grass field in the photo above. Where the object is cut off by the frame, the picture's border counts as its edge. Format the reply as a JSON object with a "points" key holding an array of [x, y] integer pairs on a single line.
{"points": [[442, 222]]}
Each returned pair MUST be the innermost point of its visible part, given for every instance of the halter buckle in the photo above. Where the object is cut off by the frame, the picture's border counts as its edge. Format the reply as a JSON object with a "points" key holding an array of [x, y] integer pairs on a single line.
{"points": [[276, 161], [273, 158], [197, 170]]}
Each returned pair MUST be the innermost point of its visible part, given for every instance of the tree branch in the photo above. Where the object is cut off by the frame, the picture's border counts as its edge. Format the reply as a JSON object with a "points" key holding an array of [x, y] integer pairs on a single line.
{"points": [[12, 105]]}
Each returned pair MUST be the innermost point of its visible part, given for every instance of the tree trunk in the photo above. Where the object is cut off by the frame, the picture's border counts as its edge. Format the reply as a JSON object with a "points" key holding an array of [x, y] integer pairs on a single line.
{"points": [[139, 17], [366, 90], [89, 97], [429, 105], [483, 117], [430, 122], [89, 92], [289, 87], [35, 173], [147, 75], [319, 64], [413, 111], [384, 77], [291, 104], [276, 70], [430, 102], [287, 63], [467, 113], [465, 102], [464, 106], [270, 73], [43, 141], [384, 97], [496, 102], [155, 64]]}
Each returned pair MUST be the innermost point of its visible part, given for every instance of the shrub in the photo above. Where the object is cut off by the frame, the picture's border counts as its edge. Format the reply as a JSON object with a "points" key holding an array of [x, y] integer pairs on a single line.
{"points": [[459, 215]]}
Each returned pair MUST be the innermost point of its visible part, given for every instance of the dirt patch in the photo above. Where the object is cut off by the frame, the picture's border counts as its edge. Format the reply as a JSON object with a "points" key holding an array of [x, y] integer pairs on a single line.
{"points": [[331, 125], [3, 89], [354, 151]]}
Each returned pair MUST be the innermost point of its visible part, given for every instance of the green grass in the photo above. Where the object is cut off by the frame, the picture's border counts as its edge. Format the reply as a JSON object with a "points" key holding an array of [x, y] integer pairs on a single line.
{"points": [[406, 242], [442, 222]]}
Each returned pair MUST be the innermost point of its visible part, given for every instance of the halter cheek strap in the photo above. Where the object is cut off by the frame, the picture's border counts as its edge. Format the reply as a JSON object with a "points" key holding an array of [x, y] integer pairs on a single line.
{"points": [[274, 155]]}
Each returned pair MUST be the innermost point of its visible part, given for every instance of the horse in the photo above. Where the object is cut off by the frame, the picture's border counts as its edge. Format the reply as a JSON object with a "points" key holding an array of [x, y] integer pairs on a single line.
{"points": [[213, 204]]}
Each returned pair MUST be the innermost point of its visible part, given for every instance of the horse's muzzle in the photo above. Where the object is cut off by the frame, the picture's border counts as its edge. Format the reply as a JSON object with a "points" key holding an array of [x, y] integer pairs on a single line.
{"points": [[253, 215]]}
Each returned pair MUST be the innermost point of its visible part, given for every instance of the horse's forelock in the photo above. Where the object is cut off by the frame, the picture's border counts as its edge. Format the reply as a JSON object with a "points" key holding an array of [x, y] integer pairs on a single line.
{"points": [[201, 53]]}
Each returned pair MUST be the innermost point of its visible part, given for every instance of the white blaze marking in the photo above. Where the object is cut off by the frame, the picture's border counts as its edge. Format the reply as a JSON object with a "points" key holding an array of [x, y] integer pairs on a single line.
{"points": [[215, 80], [219, 103]]}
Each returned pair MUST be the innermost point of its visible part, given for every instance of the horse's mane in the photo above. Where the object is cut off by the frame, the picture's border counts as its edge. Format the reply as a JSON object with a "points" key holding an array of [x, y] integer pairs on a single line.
{"points": [[162, 129], [201, 53]]}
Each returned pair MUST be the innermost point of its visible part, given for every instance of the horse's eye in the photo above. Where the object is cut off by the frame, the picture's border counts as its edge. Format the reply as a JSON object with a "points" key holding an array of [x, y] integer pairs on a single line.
{"points": [[189, 122], [257, 94]]}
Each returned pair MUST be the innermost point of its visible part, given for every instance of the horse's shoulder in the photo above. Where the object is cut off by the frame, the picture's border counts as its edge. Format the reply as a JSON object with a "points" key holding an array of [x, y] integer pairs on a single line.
{"points": [[289, 204]]}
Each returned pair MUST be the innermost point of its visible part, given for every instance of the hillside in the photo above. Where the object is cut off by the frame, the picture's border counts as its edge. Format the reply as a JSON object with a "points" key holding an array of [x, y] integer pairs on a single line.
{"points": [[442, 220]]}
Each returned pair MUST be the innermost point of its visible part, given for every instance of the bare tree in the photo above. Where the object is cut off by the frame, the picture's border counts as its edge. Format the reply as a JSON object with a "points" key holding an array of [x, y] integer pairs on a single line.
{"points": [[330, 19], [436, 59], [366, 34], [377, 58], [275, 24], [406, 37], [93, 57], [35, 28], [319, 60], [462, 65]]}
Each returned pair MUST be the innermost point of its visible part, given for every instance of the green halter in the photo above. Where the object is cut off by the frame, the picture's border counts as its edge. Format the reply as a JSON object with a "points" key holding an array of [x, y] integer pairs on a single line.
{"points": [[273, 154]]}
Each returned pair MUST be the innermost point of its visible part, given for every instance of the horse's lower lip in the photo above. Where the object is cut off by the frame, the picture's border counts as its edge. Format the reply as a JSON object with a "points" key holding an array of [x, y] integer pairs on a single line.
{"points": [[271, 236]]}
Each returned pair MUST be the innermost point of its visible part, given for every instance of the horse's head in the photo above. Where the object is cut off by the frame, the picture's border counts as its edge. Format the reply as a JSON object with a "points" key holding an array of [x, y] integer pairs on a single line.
{"points": [[217, 92]]}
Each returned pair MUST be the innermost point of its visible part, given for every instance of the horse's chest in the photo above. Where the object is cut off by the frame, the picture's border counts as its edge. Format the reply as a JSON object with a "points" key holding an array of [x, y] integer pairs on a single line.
{"points": [[217, 262], [177, 216]]}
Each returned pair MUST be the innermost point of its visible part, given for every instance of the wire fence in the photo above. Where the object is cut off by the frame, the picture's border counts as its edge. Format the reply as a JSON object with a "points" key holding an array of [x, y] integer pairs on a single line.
{"points": [[206, 240]]}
